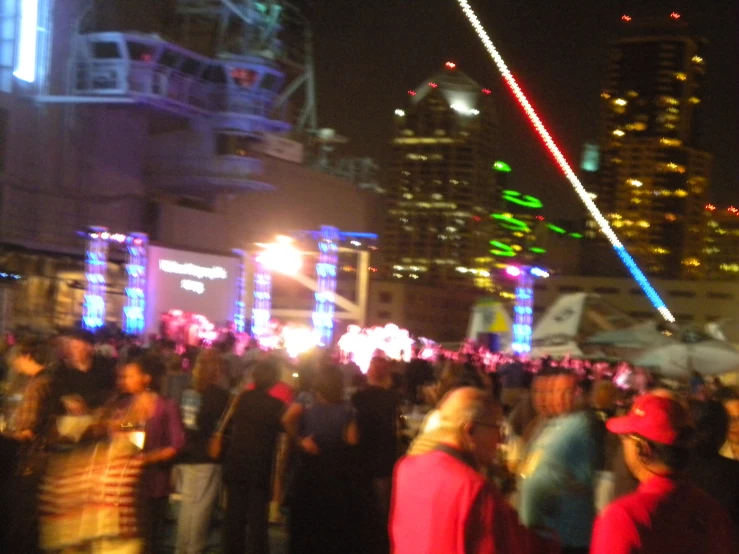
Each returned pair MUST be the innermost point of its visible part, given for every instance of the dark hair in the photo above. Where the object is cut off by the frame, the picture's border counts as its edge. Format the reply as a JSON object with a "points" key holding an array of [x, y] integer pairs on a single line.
{"points": [[153, 366], [265, 374], [585, 385], [37, 348], [329, 383], [135, 351], [167, 344], [711, 423], [82, 335], [210, 368], [227, 343], [675, 456]]}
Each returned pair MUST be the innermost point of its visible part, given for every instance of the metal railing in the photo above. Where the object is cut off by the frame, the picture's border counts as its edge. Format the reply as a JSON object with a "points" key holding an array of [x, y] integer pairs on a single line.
{"points": [[156, 82]]}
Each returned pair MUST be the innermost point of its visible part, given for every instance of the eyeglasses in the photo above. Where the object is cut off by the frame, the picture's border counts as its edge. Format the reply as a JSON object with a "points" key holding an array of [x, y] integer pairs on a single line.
{"points": [[498, 425], [632, 436]]}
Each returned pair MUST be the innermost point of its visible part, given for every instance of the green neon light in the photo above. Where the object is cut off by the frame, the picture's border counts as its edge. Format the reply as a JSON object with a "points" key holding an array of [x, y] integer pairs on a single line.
{"points": [[537, 250], [524, 200], [511, 223], [556, 229], [502, 167], [576, 235], [501, 249]]}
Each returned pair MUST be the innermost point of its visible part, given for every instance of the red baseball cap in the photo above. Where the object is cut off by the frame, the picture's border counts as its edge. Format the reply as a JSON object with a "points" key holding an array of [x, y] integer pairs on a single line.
{"points": [[655, 418]]}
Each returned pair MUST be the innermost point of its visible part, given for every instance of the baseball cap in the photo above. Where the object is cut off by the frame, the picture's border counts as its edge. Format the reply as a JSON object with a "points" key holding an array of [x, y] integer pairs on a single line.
{"points": [[655, 418]]}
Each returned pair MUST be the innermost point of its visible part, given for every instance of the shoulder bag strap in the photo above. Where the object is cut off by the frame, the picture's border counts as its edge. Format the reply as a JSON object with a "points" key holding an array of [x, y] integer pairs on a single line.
{"points": [[227, 414]]}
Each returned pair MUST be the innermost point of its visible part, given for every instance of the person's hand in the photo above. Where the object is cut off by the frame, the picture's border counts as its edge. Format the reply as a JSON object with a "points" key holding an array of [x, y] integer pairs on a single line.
{"points": [[25, 435], [309, 446], [74, 405]]}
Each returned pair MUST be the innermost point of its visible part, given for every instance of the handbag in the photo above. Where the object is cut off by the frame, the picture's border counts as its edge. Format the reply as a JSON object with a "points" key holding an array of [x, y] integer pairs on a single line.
{"points": [[215, 442]]}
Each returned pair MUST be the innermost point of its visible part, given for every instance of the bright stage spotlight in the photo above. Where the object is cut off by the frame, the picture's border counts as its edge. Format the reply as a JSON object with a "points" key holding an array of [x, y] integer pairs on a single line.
{"points": [[281, 256]]}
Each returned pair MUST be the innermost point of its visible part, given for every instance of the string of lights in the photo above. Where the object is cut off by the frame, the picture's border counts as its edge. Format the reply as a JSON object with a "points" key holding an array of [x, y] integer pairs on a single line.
{"points": [[626, 258]]}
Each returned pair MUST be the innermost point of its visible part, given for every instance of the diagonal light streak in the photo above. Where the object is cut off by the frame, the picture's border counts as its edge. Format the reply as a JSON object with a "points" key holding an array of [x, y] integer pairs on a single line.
{"points": [[626, 258]]}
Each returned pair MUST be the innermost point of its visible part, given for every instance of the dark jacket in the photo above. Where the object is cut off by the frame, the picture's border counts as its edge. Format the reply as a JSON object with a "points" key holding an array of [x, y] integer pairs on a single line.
{"points": [[718, 477]]}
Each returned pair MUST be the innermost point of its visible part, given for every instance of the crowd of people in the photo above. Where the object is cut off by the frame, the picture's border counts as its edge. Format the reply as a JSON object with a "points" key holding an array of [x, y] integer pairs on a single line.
{"points": [[108, 444]]}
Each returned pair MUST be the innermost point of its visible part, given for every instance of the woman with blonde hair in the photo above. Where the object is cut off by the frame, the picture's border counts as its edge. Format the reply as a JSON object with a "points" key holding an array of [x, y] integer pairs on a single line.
{"points": [[202, 408]]}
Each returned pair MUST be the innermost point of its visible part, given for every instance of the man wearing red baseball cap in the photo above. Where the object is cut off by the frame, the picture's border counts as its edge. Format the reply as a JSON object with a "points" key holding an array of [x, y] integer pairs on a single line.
{"points": [[665, 514]]}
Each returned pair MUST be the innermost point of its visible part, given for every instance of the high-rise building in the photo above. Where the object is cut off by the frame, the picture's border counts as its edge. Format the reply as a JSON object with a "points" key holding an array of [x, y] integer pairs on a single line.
{"points": [[720, 251], [654, 175], [442, 186]]}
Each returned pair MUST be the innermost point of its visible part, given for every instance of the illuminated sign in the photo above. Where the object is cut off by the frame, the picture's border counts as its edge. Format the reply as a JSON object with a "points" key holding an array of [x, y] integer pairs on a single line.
{"points": [[200, 272]]}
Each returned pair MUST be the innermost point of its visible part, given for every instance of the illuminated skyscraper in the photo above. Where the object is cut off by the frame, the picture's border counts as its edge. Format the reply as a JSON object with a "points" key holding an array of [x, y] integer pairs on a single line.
{"points": [[720, 252], [654, 176], [442, 186]]}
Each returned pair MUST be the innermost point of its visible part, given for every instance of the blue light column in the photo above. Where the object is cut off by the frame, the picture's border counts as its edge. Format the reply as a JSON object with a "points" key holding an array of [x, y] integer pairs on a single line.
{"points": [[133, 311], [239, 317], [260, 313], [523, 312], [96, 262], [328, 257]]}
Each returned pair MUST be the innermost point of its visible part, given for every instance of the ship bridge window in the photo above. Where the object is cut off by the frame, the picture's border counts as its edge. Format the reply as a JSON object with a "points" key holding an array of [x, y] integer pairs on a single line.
{"points": [[190, 67], [105, 50], [234, 145], [140, 52], [244, 77], [214, 74], [170, 59]]}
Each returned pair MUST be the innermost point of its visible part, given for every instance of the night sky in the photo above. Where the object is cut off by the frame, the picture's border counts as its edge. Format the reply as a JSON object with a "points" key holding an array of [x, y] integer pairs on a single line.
{"points": [[370, 52]]}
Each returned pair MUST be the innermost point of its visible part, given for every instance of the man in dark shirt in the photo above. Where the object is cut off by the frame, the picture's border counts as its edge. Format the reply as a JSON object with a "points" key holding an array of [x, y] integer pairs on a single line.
{"points": [[418, 372], [378, 410], [247, 467], [82, 381]]}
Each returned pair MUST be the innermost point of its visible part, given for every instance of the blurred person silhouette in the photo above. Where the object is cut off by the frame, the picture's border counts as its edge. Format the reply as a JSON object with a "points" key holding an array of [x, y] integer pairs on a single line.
{"points": [[442, 502], [666, 513], [557, 477], [83, 381], [29, 429], [730, 449], [201, 476], [325, 507], [254, 428], [159, 418], [378, 413], [708, 470]]}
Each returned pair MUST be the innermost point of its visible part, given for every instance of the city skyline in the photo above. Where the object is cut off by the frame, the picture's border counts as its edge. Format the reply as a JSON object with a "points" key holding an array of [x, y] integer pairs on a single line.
{"points": [[562, 66]]}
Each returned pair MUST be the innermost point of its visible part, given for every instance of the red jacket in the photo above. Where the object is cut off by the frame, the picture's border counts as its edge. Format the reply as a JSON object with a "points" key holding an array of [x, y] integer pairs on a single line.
{"points": [[664, 516], [441, 504]]}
